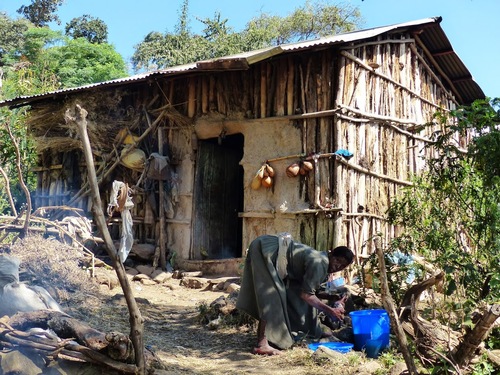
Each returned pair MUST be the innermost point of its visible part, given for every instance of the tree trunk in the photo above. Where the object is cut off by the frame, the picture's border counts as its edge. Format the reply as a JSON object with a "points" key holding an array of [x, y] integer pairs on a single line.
{"points": [[474, 338], [78, 116], [7, 191], [21, 182], [412, 295], [391, 309]]}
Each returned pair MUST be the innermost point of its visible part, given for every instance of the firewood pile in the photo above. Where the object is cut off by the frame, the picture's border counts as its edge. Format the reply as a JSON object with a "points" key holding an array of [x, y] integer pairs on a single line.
{"points": [[39, 336], [54, 335]]}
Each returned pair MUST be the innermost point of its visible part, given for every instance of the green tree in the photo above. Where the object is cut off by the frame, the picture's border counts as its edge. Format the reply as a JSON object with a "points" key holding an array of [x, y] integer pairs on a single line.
{"points": [[14, 121], [41, 12], [31, 73], [11, 38], [36, 60], [217, 39], [312, 20], [50, 61], [79, 62], [451, 215], [88, 27]]}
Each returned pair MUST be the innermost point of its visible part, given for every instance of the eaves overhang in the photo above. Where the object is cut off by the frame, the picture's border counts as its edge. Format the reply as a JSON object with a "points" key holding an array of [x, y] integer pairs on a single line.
{"points": [[433, 39]]}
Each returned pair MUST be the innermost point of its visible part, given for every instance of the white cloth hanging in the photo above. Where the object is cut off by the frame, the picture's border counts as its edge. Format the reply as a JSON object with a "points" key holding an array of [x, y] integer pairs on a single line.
{"points": [[123, 206]]}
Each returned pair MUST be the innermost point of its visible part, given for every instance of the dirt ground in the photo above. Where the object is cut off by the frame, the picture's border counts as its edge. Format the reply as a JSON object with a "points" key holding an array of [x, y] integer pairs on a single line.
{"points": [[171, 321], [185, 346]]}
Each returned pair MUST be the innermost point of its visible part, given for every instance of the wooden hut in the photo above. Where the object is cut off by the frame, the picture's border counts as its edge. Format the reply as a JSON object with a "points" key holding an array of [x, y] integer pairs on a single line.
{"points": [[352, 105]]}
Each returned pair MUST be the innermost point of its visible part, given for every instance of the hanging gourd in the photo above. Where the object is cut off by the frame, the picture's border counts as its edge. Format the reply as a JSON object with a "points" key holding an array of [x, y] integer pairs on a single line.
{"points": [[263, 177], [293, 170], [305, 167]]}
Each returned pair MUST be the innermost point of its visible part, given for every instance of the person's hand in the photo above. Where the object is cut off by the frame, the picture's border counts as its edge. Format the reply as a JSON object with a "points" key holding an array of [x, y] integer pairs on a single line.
{"points": [[343, 300], [338, 311]]}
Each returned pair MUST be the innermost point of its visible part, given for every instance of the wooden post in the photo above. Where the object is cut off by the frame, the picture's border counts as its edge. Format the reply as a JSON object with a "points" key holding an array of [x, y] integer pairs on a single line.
{"points": [[391, 310], [161, 207], [191, 98], [78, 116]]}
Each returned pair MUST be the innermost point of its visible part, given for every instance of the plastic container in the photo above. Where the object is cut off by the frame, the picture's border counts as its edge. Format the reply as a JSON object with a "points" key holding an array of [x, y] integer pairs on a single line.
{"points": [[331, 286], [338, 282], [342, 347], [371, 331]]}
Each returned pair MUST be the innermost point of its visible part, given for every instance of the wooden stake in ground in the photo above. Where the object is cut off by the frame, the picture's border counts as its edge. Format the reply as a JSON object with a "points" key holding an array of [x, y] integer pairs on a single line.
{"points": [[78, 116], [391, 309]]}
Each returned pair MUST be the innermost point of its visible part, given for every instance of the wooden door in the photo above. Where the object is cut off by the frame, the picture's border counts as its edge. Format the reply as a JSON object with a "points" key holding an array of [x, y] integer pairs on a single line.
{"points": [[218, 197]]}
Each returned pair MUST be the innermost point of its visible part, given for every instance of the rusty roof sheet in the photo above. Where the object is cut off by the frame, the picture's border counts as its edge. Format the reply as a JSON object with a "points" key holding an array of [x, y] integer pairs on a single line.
{"points": [[434, 40]]}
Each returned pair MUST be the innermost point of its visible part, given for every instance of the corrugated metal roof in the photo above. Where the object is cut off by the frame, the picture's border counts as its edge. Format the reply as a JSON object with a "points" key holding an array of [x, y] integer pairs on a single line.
{"points": [[433, 38], [26, 100]]}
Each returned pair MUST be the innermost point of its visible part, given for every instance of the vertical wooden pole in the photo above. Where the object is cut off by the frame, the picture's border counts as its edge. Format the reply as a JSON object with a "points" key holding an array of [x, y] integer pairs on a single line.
{"points": [[79, 117], [391, 310], [161, 207], [337, 167], [191, 99]]}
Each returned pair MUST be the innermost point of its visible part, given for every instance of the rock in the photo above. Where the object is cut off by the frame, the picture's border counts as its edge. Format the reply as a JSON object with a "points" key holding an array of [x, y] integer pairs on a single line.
{"points": [[130, 273], [370, 367], [147, 270], [323, 352], [221, 283], [194, 282], [232, 287], [14, 362], [192, 274], [160, 276], [140, 277], [219, 303], [177, 274], [143, 251], [107, 278], [398, 368], [148, 281]]}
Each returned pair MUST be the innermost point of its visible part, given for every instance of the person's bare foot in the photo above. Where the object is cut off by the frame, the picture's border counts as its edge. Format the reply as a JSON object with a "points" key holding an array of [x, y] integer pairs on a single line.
{"points": [[266, 350]]}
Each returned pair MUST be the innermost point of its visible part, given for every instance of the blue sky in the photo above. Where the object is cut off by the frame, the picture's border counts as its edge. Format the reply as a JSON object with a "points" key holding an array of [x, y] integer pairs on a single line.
{"points": [[472, 26]]}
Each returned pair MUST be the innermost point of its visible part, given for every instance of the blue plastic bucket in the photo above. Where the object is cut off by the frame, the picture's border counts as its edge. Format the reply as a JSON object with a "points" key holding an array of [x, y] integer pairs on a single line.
{"points": [[371, 331]]}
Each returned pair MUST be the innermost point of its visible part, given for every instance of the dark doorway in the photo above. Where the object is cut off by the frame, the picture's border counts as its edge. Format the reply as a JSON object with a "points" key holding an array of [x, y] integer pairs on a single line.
{"points": [[218, 197]]}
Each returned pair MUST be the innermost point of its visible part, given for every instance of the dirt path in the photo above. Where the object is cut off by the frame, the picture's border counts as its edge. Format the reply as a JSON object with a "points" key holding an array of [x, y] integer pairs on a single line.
{"points": [[184, 346]]}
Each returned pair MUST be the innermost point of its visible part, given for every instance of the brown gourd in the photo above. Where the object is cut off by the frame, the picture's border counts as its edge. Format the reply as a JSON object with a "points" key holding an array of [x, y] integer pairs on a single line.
{"points": [[293, 170]]}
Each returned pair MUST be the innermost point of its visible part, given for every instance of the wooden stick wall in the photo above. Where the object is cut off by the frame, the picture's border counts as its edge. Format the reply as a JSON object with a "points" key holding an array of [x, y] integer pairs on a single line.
{"points": [[390, 89]]}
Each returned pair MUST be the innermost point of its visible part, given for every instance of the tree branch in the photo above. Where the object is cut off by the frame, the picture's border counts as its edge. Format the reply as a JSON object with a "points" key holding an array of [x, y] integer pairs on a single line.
{"points": [[78, 116]]}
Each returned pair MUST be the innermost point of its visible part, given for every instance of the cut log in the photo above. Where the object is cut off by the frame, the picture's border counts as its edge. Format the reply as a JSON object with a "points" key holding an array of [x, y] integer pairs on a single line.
{"points": [[54, 334], [476, 336], [412, 295], [66, 327]]}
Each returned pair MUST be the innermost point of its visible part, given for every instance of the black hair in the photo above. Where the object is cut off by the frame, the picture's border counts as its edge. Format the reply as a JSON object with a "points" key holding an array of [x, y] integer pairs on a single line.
{"points": [[344, 252]]}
